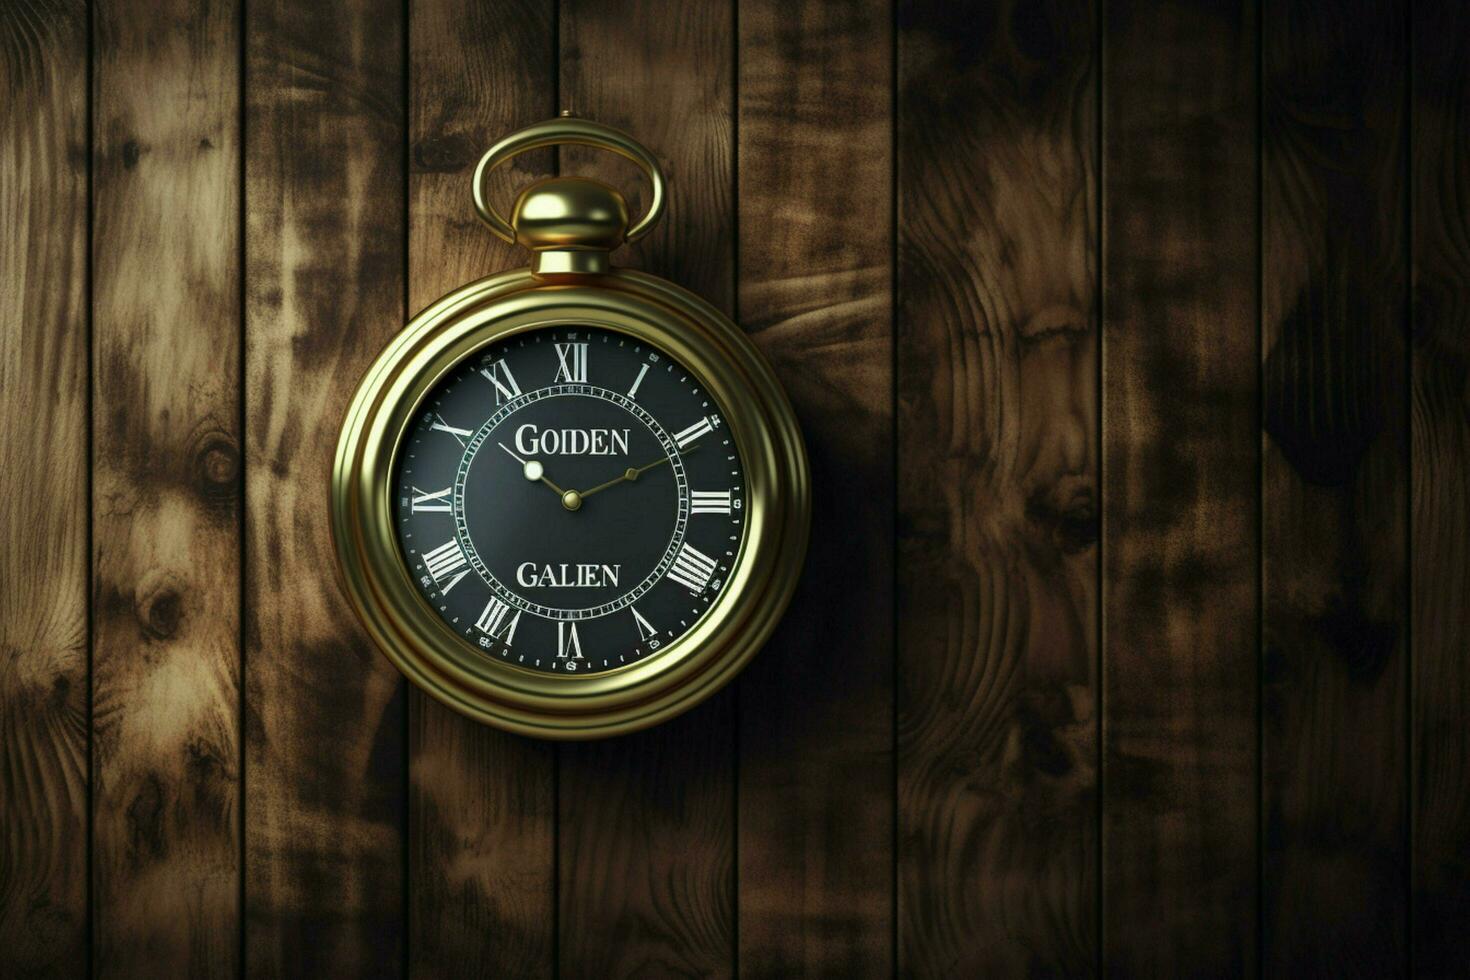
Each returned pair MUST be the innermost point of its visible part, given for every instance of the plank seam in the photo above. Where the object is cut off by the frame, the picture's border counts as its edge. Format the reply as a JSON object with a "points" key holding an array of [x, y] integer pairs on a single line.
{"points": [[893, 310], [243, 552], [1409, 315], [1100, 148], [1261, 320], [89, 320]]}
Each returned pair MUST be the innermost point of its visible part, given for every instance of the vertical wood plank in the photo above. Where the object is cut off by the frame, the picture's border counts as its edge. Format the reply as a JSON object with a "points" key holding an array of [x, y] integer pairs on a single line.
{"points": [[481, 813], [43, 488], [324, 726], [1180, 497], [997, 489], [646, 822], [1440, 478], [166, 506], [815, 867], [1334, 507]]}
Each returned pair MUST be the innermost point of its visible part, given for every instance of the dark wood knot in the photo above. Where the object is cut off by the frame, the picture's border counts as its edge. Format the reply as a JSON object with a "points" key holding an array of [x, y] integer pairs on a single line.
{"points": [[1363, 645], [145, 818], [217, 464], [160, 608], [1067, 514]]}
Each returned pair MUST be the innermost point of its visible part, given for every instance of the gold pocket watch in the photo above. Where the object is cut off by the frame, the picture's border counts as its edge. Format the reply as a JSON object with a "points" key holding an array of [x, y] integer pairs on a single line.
{"points": [[570, 500]]}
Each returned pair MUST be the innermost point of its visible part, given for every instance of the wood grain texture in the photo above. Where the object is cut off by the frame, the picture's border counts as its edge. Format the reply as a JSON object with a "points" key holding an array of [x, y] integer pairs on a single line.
{"points": [[646, 822], [1283, 450], [997, 490], [1180, 491], [481, 812], [816, 782], [43, 489], [166, 499], [324, 726], [1440, 478], [1334, 507]]}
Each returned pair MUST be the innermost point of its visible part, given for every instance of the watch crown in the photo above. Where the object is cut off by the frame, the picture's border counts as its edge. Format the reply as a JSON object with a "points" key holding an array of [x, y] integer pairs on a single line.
{"points": [[570, 224]]}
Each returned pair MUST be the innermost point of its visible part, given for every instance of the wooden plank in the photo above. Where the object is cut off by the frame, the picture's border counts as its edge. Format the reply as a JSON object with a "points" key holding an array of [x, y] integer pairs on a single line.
{"points": [[997, 402], [481, 802], [815, 819], [646, 823], [1440, 478], [1334, 562], [166, 508], [44, 488], [324, 725], [1180, 493]]}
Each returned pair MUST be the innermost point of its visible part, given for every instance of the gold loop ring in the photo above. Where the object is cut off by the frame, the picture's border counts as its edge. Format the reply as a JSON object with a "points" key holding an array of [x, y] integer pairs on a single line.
{"points": [[568, 130]]}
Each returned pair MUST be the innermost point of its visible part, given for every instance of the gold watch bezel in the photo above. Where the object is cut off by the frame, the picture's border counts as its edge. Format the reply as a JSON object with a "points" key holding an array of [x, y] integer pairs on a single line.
{"points": [[561, 706]]}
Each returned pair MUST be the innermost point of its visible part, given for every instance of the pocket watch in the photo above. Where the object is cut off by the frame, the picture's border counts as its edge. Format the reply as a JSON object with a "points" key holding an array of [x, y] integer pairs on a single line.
{"points": [[570, 500]]}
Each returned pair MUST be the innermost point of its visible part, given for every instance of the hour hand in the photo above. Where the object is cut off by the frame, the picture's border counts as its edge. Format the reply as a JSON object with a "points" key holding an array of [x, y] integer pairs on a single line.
{"points": [[533, 470]]}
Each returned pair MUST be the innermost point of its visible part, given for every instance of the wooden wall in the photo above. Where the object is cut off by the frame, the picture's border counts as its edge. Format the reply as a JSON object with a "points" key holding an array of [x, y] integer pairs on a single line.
{"points": [[1132, 346]]}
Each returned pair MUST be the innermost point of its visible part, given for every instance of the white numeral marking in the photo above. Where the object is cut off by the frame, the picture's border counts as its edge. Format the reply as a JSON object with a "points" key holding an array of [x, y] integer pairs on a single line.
{"points": [[692, 568], [567, 644], [633, 391], [493, 621], [709, 502], [436, 502], [460, 434], [646, 629], [504, 390], [571, 362], [444, 561], [693, 432]]}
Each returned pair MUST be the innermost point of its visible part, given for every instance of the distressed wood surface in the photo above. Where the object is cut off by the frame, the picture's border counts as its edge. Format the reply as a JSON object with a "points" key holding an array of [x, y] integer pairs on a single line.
{"points": [[481, 813], [814, 203], [1180, 492], [1334, 562], [646, 822], [997, 490], [1440, 477], [324, 251], [44, 483], [984, 741], [166, 490]]}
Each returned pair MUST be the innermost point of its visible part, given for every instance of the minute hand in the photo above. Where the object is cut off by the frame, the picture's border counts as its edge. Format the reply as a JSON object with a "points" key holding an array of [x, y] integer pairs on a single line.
{"points": [[631, 473]]}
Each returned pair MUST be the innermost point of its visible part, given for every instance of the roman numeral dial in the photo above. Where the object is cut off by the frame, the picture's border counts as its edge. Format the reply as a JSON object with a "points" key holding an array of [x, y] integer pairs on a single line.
{"points": [[692, 568], [570, 500], [710, 502], [498, 621], [567, 643], [571, 362], [646, 630], [498, 374], [446, 565], [431, 502], [687, 437]]}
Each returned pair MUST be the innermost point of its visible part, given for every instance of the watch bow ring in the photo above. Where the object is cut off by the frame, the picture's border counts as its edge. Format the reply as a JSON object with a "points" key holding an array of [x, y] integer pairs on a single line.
{"points": [[562, 131]]}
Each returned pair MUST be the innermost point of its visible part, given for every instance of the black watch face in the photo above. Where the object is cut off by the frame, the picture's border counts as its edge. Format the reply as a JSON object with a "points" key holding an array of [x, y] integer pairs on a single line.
{"points": [[570, 500]]}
